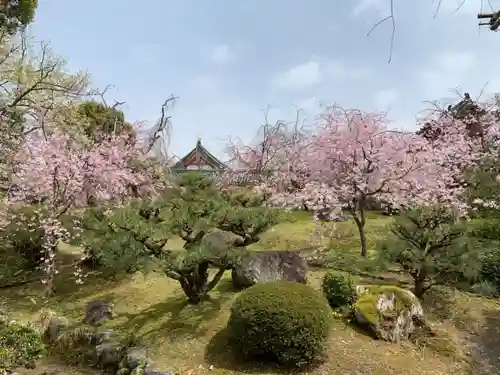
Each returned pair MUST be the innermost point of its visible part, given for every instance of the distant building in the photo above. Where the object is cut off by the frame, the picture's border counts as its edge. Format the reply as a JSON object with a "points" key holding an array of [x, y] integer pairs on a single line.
{"points": [[201, 160]]}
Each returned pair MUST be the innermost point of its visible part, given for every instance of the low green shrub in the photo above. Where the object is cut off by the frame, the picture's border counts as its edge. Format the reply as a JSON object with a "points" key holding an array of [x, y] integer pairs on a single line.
{"points": [[490, 266], [280, 321], [485, 289], [486, 228], [24, 235], [19, 346], [339, 289]]}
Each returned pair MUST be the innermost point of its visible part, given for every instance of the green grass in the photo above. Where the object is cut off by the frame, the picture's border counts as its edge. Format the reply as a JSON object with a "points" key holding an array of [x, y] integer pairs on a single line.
{"points": [[189, 339]]}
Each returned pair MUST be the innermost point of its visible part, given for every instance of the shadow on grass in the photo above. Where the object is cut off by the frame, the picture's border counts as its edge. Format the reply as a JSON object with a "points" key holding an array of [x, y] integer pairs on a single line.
{"points": [[175, 318], [442, 303], [29, 297], [219, 353], [485, 348]]}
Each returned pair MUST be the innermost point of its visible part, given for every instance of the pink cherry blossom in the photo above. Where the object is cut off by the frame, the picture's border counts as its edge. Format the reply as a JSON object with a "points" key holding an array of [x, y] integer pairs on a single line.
{"points": [[352, 155], [65, 173]]}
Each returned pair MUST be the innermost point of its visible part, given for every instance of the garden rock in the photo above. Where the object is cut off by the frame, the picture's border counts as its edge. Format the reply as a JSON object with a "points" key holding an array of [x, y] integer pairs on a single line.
{"points": [[55, 327], [390, 312], [222, 240], [134, 357], [156, 372], [261, 266], [98, 312], [109, 355], [97, 338]]}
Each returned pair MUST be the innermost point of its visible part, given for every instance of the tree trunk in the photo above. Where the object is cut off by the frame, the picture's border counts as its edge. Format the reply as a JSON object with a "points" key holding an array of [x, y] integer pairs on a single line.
{"points": [[196, 285], [360, 223], [362, 237], [419, 288], [358, 213]]}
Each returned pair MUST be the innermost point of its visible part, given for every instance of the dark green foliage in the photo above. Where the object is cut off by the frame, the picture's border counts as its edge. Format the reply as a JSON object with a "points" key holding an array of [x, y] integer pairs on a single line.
{"points": [[486, 229], [101, 118], [431, 245], [136, 234], [490, 265], [15, 14], [339, 289], [25, 236], [485, 289], [280, 321], [108, 248], [483, 187], [19, 346]]}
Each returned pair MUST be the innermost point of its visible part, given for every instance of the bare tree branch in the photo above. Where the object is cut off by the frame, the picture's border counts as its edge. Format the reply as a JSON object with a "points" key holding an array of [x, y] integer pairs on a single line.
{"points": [[494, 22], [163, 126]]}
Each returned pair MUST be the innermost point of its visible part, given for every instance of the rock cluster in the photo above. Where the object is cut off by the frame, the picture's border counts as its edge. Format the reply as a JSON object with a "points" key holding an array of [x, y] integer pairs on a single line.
{"points": [[107, 352]]}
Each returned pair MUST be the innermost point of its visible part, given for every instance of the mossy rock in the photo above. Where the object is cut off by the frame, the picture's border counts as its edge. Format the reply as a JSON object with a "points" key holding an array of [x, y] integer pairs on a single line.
{"points": [[391, 312]]}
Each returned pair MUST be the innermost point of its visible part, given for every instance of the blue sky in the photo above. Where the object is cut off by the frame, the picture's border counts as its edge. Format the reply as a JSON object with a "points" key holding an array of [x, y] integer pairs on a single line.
{"points": [[228, 60]]}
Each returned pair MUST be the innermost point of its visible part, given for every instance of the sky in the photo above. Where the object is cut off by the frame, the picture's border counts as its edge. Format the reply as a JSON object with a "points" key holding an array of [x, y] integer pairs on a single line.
{"points": [[227, 61]]}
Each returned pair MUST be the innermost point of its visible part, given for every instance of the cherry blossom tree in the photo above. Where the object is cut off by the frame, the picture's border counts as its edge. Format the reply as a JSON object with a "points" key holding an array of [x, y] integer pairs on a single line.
{"points": [[353, 156], [61, 172]]}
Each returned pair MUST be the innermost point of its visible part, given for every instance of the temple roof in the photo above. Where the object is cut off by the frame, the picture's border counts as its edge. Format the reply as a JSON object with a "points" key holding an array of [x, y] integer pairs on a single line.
{"points": [[199, 152]]}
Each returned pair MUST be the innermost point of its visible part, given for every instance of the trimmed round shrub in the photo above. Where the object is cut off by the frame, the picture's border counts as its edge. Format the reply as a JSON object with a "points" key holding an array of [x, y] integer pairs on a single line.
{"points": [[19, 346], [280, 321], [339, 289]]}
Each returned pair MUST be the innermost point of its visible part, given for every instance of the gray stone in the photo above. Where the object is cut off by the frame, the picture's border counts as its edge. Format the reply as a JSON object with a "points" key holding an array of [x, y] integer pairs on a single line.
{"points": [[98, 312], [97, 338], [109, 354], [136, 356], [156, 372], [392, 313], [261, 266], [222, 239], [55, 327]]}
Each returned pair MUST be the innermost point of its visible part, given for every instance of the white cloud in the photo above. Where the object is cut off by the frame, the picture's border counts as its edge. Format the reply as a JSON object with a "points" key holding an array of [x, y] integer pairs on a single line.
{"points": [[461, 6], [447, 70], [300, 76], [457, 62], [316, 71], [384, 99], [221, 54], [308, 104], [143, 53], [380, 7], [206, 85]]}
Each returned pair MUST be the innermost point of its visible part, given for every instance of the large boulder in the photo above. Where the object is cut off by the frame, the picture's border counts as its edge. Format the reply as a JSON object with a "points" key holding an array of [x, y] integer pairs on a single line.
{"points": [[261, 266], [222, 239], [390, 312]]}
